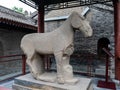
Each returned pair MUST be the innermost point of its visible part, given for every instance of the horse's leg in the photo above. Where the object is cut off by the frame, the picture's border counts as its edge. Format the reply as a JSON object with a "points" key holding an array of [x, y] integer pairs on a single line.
{"points": [[29, 60], [66, 59], [59, 60], [67, 68], [37, 65], [30, 53], [66, 54], [68, 71], [33, 59]]}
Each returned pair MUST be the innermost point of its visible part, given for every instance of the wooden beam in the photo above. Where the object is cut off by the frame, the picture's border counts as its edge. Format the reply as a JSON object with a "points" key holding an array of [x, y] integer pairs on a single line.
{"points": [[48, 2]]}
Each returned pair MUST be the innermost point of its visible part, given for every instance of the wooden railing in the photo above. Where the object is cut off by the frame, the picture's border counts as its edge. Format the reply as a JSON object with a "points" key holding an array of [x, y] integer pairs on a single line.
{"points": [[108, 52], [107, 84], [18, 57], [88, 57]]}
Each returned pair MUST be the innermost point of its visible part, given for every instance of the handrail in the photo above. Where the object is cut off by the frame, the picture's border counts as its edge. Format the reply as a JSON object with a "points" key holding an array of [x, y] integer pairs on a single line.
{"points": [[11, 55], [23, 58], [9, 60], [108, 52]]}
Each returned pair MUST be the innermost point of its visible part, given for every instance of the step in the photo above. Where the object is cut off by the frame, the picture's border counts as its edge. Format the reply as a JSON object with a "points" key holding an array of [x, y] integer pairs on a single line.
{"points": [[3, 88]]}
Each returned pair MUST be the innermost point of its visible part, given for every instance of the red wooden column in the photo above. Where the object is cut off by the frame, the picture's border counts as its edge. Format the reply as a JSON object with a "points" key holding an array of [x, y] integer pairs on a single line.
{"points": [[23, 64], [117, 37], [41, 26], [41, 17]]}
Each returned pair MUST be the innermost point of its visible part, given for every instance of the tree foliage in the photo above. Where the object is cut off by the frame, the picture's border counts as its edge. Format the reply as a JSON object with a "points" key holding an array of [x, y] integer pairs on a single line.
{"points": [[20, 10]]}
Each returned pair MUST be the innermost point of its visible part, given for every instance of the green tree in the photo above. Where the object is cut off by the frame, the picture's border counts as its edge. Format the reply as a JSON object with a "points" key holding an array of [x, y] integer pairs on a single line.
{"points": [[20, 10]]}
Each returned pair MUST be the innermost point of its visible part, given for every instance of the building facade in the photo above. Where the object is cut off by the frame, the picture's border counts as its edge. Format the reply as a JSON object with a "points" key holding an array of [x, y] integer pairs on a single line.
{"points": [[88, 49], [13, 26]]}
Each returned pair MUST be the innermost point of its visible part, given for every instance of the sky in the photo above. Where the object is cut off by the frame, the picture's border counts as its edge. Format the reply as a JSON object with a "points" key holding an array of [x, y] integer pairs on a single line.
{"points": [[11, 3]]}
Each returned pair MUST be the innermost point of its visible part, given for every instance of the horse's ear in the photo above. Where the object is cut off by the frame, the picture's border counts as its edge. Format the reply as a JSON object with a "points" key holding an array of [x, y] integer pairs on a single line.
{"points": [[75, 20], [88, 16]]}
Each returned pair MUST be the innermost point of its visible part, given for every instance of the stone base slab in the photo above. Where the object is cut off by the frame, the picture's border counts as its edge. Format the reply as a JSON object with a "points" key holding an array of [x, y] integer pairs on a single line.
{"points": [[27, 82]]}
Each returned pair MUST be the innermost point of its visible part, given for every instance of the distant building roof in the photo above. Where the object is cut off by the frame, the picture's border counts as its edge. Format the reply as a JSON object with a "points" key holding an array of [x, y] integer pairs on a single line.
{"points": [[8, 16], [59, 13], [63, 12]]}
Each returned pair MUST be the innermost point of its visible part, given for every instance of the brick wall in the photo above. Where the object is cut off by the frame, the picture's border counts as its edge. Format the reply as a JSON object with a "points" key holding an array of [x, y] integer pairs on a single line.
{"points": [[10, 45], [103, 26], [10, 41]]}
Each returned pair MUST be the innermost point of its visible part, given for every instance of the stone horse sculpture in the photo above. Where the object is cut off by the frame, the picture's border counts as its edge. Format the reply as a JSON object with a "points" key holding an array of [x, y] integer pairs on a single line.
{"points": [[58, 42]]}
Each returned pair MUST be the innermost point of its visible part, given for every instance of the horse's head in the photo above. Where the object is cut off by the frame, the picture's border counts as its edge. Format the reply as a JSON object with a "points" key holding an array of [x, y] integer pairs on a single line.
{"points": [[79, 22]]}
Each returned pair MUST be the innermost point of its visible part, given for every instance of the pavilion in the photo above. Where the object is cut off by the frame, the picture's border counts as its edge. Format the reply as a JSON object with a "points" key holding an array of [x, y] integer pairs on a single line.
{"points": [[42, 5]]}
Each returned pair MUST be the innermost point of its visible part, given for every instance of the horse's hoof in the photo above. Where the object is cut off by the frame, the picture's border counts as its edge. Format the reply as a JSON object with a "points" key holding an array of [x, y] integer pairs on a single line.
{"points": [[61, 80], [72, 81]]}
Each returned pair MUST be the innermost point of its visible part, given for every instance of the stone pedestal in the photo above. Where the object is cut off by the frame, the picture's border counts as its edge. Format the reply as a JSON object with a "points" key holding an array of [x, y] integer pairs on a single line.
{"points": [[27, 82]]}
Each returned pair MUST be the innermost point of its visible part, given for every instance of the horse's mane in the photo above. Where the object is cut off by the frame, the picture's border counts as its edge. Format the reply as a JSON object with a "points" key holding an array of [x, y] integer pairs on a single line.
{"points": [[76, 13], [69, 19]]}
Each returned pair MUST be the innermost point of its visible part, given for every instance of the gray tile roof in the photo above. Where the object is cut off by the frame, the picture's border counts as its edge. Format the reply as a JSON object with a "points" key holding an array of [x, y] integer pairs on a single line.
{"points": [[8, 14], [61, 13]]}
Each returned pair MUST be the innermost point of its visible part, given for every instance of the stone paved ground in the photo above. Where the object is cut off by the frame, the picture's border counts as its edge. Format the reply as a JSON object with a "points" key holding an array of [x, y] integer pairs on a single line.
{"points": [[7, 84]]}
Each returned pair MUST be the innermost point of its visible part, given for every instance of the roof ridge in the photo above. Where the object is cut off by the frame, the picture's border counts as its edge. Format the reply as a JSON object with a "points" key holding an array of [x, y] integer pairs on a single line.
{"points": [[11, 12], [7, 13]]}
